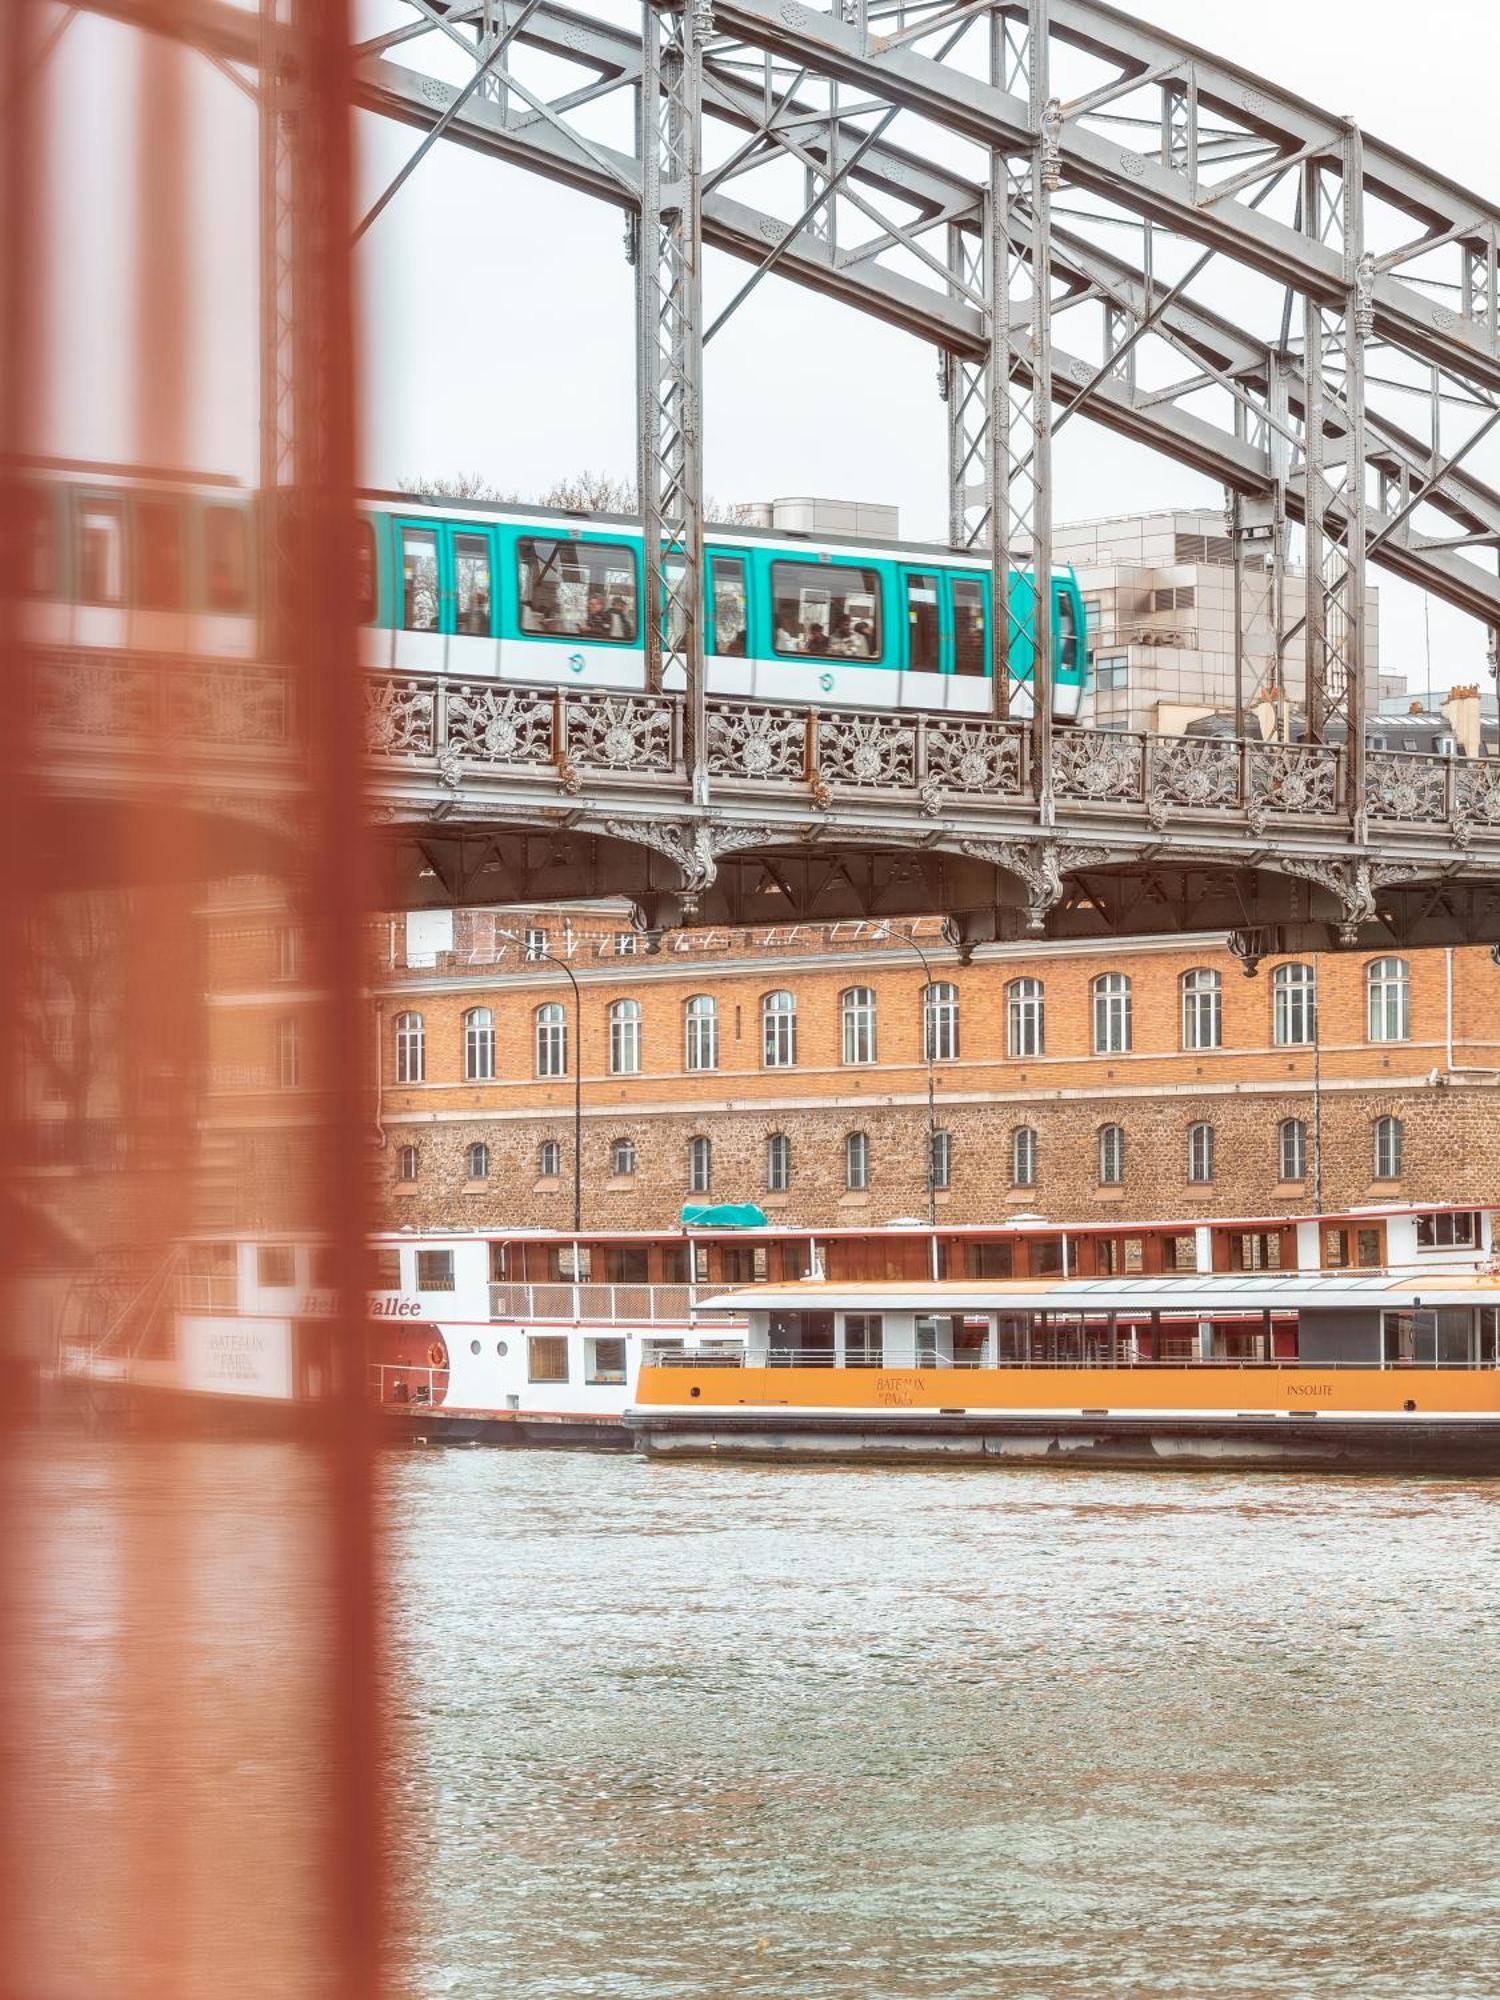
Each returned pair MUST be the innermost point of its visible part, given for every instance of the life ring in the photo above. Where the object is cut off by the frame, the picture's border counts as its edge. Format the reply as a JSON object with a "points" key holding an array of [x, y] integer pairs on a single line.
{"points": [[437, 1355]]}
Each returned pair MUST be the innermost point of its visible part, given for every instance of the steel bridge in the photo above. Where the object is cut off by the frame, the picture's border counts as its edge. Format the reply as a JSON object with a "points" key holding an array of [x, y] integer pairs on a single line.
{"points": [[1084, 216]]}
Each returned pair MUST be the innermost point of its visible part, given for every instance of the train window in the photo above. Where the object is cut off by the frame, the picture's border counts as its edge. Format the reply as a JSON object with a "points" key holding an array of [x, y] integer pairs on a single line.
{"points": [[419, 579], [101, 552], [923, 639], [1067, 631], [471, 578], [38, 545], [366, 586], [158, 555], [727, 574], [828, 610], [226, 560], [970, 650], [578, 590]]}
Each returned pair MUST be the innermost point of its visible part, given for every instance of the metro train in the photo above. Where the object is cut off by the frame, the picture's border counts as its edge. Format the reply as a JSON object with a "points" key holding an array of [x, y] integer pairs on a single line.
{"points": [[539, 596]]}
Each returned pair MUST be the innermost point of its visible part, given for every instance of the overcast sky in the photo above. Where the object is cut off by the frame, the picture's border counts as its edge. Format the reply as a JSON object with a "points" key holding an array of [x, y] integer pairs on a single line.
{"points": [[498, 311]]}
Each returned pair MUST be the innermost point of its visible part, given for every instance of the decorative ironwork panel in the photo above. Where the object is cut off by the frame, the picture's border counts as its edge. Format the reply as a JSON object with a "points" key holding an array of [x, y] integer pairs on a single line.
{"points": [[1197, 772], [1099, 766], [96, 694], [975, 756], [746, 740], [399, 718], [620, 732], [1476, 793], [497, 725], [242, 705], [1292, 778], [1399, 785], [866, 749]]}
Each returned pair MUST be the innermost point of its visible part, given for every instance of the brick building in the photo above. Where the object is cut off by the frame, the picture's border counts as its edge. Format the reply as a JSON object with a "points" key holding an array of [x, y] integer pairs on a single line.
{"points": [[789, 1068]]}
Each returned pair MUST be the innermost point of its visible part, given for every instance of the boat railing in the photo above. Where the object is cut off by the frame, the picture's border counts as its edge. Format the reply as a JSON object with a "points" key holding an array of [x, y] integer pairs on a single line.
{"points": [[397, 1386], [1091, 1355], [653, 1305]]}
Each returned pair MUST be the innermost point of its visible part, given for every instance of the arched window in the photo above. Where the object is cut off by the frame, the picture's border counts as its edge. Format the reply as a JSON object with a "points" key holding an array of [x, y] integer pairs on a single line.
{"points": [[479, 1045], [702, 1016], [778, 1020], [411, 1049], [1112, 1029], [548, 1160], [1025, 1018], [700, 1166], [1202, 1009], [778, 1163], [1294, 1006], [622, 1158], [1388, 988], [857, 1160], [477, 1161], [857, 1005], [1023, 1157], [1111, 1155], [551, 1040], [942, 1158], [940, 1021], [1200, 1152], [289, 1053], [406, 1163], [1389, 1138], [1291, 1150], [625, 1038]]}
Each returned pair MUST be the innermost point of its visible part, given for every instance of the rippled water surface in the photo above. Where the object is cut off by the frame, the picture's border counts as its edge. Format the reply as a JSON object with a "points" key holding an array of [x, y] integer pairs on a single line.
{"points": [[701, 1730]]}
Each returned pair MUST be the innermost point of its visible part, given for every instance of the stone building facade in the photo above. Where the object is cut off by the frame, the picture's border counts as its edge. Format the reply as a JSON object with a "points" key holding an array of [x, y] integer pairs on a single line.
{"points": [[1153, 1081]]}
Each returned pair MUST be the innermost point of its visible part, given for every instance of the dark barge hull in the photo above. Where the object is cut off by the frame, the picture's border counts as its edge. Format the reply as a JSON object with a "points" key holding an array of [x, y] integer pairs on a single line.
{"points": [[1451, 1449]]}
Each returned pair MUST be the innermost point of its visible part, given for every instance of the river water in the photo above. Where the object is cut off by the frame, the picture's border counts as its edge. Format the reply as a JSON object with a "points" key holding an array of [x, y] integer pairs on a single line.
{"points": [[682, 1731]]}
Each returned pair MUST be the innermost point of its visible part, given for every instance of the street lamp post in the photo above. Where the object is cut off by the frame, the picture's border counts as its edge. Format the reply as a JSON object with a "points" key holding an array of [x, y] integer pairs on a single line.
{"points": [[900, 937], [534, 951]]}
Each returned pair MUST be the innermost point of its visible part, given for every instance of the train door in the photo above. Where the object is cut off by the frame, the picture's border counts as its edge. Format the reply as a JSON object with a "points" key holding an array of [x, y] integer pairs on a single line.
{"points": [[467, 562], [967, 609], [423, 581], [1068, 650], [925, 637], [100, 553], [726, 629]]}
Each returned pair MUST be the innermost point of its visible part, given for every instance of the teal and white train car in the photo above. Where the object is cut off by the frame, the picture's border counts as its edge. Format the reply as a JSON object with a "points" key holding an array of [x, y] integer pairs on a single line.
{"points": [[538, 596]]}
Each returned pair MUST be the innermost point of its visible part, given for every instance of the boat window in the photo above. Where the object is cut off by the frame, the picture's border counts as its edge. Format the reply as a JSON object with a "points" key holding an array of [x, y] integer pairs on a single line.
{"points": [[386, 1275], [275, 1267], [626, 1263], [730, 609], [604, 1359], [1370, 1249], [547, 1357], [1335, 1249], [1458, 1231], [827, 610], [991, 1260], [101, 553], [1046, 1256], [226, 560], [923, 638], [864, 1340], [1255, 1250], [971, 653], [471, 584], [419, 579], [366, 589], [434, 1270], [578, 590], [1183, 1253]]}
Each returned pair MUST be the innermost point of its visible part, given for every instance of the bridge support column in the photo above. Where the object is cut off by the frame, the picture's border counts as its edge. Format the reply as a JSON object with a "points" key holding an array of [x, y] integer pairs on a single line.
{"points": [[669, 358]]}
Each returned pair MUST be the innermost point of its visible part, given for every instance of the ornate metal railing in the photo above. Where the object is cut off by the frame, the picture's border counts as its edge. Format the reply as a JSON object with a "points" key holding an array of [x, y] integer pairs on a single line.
{"points": [[143, 703]]}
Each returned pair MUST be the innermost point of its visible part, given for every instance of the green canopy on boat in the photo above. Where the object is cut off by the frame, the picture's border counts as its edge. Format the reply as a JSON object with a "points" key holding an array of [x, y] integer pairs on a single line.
{"points": [[724, 1215]]}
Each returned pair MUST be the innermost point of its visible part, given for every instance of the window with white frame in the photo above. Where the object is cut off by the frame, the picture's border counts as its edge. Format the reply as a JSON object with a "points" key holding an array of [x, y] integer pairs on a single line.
{"points": [[940, 1021], [406, 1163], [702, 1031], [1200, 1151], [534, 949], [479, 1045], [857, 1006], [548, 1160], [857, 1160], [1023, 1157], [622, 1158], [1453, 1229], [411, 1048], [289, 1053], [1388, 991], [1202, 1009], [1025, 1018], [778, 1163], [700, 1166], [551, 1039], [625, 1038], [1111, 1155], [1389, 1139], [477, 1161], [1294, 1006], [1112, 1024], [1291, 1149], [778, 1017], [942, 1158]]}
